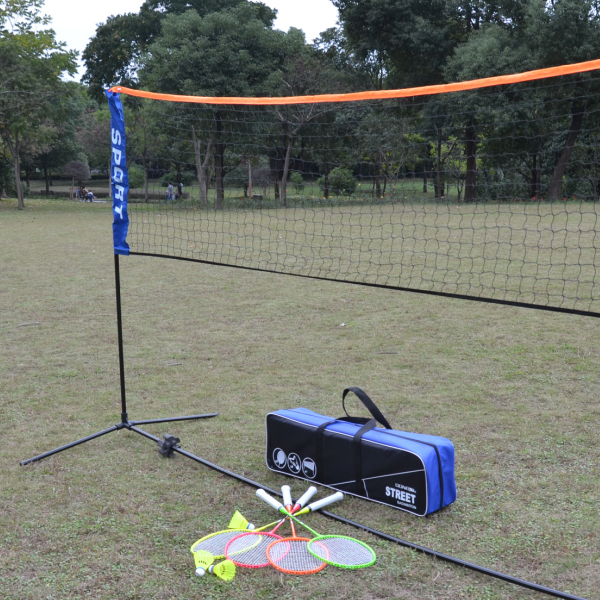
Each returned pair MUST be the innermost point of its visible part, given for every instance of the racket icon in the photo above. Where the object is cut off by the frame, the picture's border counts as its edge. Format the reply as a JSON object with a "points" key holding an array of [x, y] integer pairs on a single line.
{"points": [[294, 463]]}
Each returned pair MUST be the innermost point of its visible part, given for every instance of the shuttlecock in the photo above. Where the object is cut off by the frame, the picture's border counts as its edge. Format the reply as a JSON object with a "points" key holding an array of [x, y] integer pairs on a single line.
{"points": [[224, 570], [203, 560], [238, 521]]}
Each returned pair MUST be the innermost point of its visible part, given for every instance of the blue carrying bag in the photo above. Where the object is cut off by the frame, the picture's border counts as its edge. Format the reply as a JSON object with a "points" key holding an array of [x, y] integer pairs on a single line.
{"points": [[409, 471]]}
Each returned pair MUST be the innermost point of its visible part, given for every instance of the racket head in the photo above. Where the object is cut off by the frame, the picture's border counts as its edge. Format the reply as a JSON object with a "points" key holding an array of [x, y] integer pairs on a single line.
{"points": [[342, 551], [215, 543], [291, 555], [249, 549]]}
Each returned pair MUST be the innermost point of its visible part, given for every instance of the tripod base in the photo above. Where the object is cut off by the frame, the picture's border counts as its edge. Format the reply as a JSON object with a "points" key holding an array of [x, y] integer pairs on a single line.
{"points": [[125, 424]]}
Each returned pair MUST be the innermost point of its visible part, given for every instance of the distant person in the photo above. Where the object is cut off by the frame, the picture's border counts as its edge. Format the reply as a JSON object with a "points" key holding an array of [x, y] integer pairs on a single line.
{"points": [[170, 191], [180, 189]]}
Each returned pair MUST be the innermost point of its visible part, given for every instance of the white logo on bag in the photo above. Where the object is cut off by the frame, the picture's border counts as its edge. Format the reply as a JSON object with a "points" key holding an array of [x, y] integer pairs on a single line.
{"points": [[279, 458], [400, 495], [309, 468], [294, 463]]}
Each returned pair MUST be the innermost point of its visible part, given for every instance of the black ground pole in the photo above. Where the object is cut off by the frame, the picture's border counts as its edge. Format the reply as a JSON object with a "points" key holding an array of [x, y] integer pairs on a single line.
{"points": [[125, 422]]}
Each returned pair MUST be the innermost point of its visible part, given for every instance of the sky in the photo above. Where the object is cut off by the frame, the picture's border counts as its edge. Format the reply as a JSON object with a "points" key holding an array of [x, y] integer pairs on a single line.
{"points": [[75, 21]]}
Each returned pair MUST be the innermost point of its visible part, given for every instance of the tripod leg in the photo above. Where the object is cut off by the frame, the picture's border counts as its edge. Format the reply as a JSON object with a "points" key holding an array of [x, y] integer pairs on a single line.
{"points": [[169, 419], [71, 445]]}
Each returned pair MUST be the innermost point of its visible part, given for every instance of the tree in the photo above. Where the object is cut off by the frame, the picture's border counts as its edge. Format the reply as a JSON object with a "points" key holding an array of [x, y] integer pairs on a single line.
{"points": [[77, 170], [303, 73], [409, 39], [31, 63], [55, 141], [93, 136], [496, 49], [113, 55], [234, 52]]}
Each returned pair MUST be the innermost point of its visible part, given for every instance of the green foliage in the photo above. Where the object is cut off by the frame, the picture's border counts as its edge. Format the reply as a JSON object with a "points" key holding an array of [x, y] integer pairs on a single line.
{"points": [[185, 177], [136, 176], [297, 182], [113, 55], [341, 182], [406, 41], [78, 170], [7, 176], [31, 63], [229, 53]]}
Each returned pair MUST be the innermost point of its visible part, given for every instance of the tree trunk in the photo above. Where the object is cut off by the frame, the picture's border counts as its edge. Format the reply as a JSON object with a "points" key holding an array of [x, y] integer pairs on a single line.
{"points": [[277, 170], [326, 176], [14, 150], [425, 177], [536, 172], [286, 169], [439, 183], [145, 165], [471, 174], [555, 190], [378, 178], [46, 178], [219, 160], [202, 166]]}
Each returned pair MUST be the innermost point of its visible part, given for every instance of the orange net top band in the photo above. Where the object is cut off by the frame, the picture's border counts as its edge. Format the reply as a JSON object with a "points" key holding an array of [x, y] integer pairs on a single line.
{"points": [[459, 86]]}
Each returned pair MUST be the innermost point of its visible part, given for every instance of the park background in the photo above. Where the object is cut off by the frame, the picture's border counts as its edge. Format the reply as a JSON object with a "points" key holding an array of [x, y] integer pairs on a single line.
{"points": [[514, 389]]}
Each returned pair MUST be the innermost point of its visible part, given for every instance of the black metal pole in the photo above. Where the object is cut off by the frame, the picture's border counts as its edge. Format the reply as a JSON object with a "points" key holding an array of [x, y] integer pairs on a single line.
{"points": [[72, 444], [124, 418], [390, 538], [171, 419]]}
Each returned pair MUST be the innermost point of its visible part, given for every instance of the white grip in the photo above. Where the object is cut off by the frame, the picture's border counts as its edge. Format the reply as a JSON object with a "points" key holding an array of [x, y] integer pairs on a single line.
{"points": [[287, 495], [308, 494], [325, 501], [269, 499]]}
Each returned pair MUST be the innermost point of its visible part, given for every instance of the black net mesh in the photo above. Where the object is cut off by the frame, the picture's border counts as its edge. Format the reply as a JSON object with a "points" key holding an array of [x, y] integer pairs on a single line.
{"points": [[491, 194]]}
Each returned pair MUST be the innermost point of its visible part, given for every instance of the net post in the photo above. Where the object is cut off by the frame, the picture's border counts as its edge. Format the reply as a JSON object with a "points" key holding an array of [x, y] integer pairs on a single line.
{"points": [[124, 417]]}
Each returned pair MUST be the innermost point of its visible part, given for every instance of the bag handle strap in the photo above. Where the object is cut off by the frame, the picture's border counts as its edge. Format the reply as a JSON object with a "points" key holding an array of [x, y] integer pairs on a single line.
{"points": [[319, 458], [370, 424], [369, 404]]}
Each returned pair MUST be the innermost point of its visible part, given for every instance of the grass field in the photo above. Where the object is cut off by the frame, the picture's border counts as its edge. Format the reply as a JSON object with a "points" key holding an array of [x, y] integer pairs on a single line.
{"points": [[516, 390]]}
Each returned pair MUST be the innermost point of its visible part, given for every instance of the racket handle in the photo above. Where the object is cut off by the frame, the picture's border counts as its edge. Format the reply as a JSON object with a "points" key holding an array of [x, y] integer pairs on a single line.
{"points": [[324, 502], [287, 496], [308, 494], [270, 500]]}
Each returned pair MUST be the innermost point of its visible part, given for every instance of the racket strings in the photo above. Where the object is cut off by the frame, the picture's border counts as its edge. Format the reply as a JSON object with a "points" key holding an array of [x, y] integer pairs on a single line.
{"points": [[291, 555], [342, 551], [216, 542], [250, 549]]}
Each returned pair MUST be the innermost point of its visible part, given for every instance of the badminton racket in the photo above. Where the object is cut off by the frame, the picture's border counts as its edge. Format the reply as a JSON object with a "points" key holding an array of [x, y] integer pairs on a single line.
{"points": [[291, 555], [337, 550], [249, 549], [215, 542]]}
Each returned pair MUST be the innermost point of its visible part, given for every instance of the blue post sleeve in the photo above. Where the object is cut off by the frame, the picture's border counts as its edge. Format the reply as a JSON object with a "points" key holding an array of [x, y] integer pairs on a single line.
{"points": [[118, 174]]}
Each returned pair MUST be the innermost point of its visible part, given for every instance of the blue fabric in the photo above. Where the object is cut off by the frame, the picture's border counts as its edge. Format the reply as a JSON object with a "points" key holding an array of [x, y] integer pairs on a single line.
{"points": [[118, 174], [387, 437]]}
